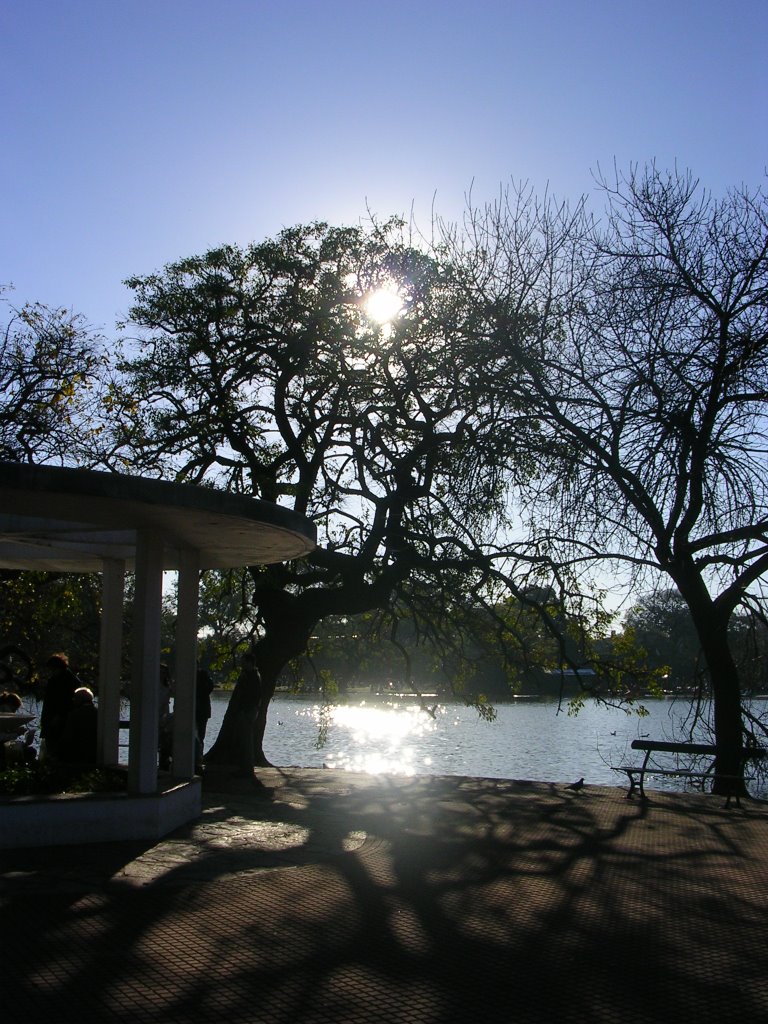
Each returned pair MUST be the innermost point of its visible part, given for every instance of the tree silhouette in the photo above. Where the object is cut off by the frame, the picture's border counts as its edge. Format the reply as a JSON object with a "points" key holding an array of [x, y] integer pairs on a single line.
{"points": [[259, 370], [645, 362]]}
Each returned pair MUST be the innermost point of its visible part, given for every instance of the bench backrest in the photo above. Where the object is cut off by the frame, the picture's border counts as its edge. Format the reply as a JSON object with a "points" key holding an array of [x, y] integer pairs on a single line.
{"points": [[669, 747]]}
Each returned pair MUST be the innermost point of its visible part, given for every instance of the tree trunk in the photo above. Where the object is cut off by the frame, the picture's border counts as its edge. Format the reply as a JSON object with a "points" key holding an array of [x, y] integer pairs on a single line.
{"points": [[726, 697], [711, 623], [234, 744], [241, 738], [289, 619]]}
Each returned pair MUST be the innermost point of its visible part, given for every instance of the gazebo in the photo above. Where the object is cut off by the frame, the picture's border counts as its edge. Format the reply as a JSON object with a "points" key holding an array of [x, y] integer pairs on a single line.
{"points": [[74, 520]]}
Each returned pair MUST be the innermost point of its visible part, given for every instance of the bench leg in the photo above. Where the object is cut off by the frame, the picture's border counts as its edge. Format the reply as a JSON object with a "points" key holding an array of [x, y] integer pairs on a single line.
{"points": [[733, 794], [734, 789], [642, 790], [633, 783]]}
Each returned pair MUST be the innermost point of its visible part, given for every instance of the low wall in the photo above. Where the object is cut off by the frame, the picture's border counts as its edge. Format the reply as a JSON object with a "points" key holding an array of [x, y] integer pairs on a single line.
{"points": [[67, 819]]}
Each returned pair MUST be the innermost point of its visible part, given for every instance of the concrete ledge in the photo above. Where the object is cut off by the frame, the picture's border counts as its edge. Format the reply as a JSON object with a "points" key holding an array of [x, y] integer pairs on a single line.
{"points": [[66, 819]]}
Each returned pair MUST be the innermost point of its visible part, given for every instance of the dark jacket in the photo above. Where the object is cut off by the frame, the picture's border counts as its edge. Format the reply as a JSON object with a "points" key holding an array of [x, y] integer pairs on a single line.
{"points": [[57, 703], [77, 743]]}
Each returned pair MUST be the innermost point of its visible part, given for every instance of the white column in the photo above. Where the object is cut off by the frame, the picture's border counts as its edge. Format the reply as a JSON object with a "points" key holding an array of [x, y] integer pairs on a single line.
{"points": [[145, 677], [186, 665], [110, 651]]}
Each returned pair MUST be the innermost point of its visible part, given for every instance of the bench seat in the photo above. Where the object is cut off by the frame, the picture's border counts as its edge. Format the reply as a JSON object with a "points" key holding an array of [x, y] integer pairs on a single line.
{"points": [[636, 773]]}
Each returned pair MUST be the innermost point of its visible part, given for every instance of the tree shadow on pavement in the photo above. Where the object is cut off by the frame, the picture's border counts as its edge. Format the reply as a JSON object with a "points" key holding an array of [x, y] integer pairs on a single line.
{"points": [[332, 897]]}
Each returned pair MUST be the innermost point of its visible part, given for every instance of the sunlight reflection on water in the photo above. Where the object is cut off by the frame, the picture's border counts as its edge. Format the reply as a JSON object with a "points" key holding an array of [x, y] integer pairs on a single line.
{"points": [[529, 739], [380, 739]]}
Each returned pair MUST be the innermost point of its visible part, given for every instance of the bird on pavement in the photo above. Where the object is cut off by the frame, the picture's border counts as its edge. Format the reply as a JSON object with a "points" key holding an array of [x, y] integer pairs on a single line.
{"points": [[576, 785]]}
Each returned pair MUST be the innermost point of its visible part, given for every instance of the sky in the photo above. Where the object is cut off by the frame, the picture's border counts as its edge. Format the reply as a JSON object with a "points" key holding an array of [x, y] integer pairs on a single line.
{"points": [[138, 132]]}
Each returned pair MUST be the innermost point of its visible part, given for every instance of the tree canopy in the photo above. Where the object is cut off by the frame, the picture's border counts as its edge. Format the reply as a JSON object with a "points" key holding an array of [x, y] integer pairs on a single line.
{"points": [[258, 369], [51, 370]]}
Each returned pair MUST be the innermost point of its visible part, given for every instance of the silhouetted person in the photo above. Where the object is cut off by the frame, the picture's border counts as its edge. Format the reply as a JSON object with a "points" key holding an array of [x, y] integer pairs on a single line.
{"points": [[203, 691], [57, 701], [247, 701], [9, 702], [165, 718], [165, 742], [11, 733], [77, 743], [166, 689]]}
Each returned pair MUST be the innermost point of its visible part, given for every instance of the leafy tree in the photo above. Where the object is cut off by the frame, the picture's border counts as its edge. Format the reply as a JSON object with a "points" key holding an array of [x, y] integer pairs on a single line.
{"points": [[259, 369], [640, 343], [42, 613], [228, 622], [52, 386], [387, 652], [663, 626], [51, 366]]}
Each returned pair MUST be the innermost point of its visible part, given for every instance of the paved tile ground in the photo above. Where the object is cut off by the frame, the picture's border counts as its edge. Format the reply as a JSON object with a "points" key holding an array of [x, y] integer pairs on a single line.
{"points": [[318, 896]]}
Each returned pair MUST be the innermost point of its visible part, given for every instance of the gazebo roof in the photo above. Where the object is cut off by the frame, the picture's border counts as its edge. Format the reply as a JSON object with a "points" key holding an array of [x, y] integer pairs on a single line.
{"points": [[70, 520]]}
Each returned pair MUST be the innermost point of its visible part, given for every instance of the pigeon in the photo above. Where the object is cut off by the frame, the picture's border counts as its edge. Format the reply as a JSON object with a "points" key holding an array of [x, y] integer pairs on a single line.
{"points": [[576, 785]]}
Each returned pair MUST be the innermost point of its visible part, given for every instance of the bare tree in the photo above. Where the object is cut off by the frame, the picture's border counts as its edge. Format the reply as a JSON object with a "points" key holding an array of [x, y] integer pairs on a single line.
{"points": [[639, 343]]}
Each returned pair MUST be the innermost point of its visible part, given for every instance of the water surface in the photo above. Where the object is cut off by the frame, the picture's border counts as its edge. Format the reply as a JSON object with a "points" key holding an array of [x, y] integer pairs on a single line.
{"points": [[529, 739]]}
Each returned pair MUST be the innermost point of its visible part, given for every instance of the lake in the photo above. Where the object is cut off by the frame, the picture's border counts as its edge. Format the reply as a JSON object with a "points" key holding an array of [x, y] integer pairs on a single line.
{"points": [[529, 738]]}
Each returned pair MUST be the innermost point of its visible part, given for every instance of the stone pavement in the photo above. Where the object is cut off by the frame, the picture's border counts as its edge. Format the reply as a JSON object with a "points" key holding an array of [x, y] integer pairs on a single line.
{"points": [[316, 896]]}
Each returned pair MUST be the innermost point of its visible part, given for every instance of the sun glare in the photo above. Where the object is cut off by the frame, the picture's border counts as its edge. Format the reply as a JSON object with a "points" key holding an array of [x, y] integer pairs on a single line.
{"points": [[383, 305], [378, 739]]}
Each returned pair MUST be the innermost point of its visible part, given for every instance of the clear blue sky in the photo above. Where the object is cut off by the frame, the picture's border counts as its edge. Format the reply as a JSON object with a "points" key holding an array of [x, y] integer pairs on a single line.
{"points": [[136, 132]]}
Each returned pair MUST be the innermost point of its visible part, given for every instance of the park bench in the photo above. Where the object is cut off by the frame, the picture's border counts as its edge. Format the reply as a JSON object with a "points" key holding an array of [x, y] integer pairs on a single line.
{"points": [[636, 773]]}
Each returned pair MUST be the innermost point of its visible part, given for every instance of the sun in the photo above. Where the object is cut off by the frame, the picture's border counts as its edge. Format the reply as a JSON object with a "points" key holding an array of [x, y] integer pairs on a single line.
{"points": [[384, 304]]}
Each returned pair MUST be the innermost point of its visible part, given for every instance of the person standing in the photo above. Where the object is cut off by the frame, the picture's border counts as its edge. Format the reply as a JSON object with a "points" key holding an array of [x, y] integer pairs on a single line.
{"points": [[77, 743], [15, 738], [246, 702], [57, 700], [165, 692], [203, 691], [165, 718]]}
